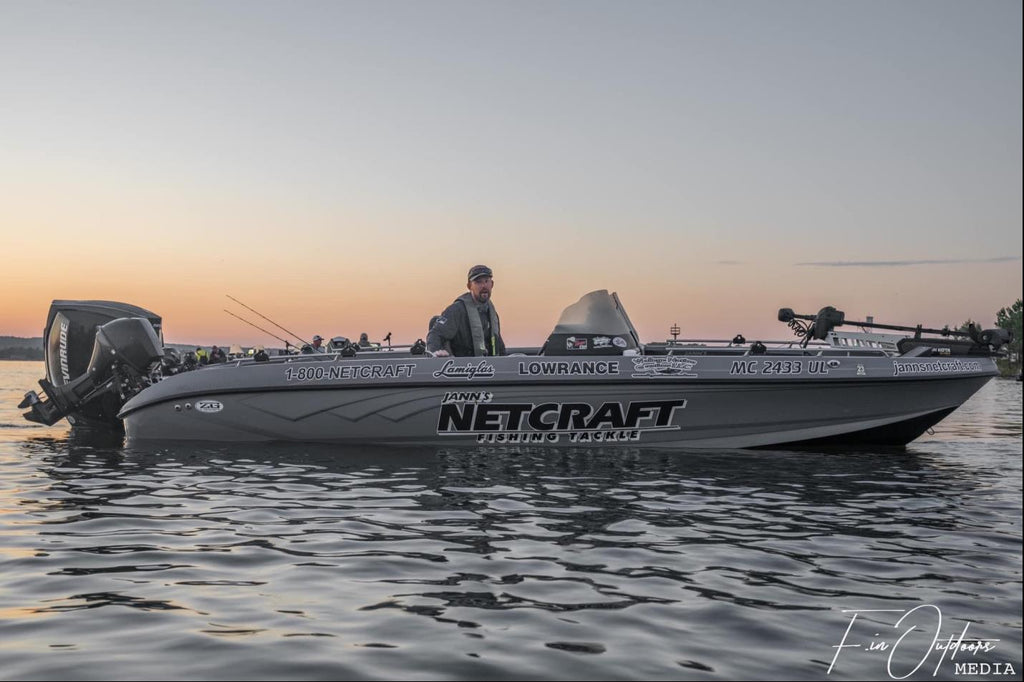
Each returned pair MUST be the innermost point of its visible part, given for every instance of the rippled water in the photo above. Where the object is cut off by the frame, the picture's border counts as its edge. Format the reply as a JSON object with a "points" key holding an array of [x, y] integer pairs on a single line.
{"points": [[326, 562]]}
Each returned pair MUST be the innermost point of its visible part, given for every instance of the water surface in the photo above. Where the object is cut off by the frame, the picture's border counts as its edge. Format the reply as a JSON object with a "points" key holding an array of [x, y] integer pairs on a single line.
{"points": [[299, 561]]}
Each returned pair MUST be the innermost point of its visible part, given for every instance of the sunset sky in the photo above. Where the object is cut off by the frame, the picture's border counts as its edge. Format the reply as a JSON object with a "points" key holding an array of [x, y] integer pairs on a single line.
{"points": [[340, 165]]}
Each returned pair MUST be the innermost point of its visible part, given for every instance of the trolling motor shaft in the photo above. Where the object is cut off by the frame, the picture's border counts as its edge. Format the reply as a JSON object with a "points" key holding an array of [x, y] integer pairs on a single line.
{"points": [[828, 318]]}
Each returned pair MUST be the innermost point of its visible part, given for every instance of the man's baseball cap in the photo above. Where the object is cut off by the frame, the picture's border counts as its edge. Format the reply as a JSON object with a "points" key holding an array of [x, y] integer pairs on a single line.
{"points": [[478, 271]]}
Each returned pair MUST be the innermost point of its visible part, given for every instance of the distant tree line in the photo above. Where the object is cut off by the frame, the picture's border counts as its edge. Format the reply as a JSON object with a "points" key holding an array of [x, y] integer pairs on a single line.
{"points": [[21, 353], [1009, 318], [19, 348]]}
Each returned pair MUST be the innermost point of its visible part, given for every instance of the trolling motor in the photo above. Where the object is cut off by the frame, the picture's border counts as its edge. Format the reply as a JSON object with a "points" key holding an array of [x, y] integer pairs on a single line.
{"points": [[97, 355], [974, 341], [815, 326]]}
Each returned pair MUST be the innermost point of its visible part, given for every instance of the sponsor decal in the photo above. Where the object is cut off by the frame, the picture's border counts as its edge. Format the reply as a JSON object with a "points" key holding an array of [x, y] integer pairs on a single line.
{"points": [[467, 397], [576, 343], [934, 366], [209, 406], [619, 342], [451, 370], [608, 422], [602, 342], [663, 366], [64, 371], [319, 372], [574, 368], [860, 371]]}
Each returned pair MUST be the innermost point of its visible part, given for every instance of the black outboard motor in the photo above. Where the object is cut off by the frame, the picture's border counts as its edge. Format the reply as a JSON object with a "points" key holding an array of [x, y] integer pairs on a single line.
{"points": [[97, 355]]}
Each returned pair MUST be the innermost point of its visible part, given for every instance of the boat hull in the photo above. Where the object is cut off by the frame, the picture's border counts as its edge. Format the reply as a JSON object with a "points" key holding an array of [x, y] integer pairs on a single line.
{"points": [[705, 402]]}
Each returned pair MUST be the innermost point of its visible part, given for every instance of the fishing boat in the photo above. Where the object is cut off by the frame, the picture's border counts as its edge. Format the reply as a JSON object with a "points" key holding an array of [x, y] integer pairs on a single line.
{"points": [[592, 382]]}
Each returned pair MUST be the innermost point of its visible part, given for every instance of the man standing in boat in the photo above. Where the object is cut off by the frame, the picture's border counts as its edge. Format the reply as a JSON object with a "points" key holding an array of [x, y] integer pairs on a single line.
{"points": [[469, 326]]}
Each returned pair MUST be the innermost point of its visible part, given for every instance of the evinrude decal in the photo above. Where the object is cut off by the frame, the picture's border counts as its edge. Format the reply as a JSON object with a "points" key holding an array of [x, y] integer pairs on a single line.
{"points": [[64, 371], [934, 366], [665, 366], [574, 368], [346, 371], [451, 370], [209, 406], [576, 343], [619, 342], [549, 422]]}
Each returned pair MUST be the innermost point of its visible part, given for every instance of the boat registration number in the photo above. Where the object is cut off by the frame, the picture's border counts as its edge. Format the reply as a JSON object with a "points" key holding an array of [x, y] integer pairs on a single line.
{"points": [[782, 367]]}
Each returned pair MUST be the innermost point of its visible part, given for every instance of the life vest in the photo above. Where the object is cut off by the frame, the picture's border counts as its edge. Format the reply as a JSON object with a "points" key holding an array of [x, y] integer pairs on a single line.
{"points": [[476, 327]]}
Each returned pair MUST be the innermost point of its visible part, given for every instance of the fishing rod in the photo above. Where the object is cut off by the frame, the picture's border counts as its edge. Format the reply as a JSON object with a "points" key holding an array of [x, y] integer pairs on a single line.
{"points": [[286, 343], [301, 340]]}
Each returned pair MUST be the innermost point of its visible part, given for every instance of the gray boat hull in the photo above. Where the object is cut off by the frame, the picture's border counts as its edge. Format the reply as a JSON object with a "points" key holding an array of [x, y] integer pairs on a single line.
{"points": [[727, 401]]}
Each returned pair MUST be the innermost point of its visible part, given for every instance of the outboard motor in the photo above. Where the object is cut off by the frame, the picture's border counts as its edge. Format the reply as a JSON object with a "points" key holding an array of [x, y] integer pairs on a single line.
{"points": [[97, 354], [171, 362]]}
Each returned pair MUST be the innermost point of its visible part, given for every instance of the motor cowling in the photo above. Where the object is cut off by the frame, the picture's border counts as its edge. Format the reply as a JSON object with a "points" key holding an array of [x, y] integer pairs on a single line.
{"points": [[95, 353], [71, 329]]}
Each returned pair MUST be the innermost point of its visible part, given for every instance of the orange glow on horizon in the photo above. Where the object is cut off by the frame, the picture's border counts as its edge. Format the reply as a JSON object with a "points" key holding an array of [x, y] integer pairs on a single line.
{"points": [[715, 302]]}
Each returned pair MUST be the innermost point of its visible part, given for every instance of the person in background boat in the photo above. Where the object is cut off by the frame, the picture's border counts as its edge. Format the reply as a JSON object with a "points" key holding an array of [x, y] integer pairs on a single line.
{"points": [[470, 325], [217, 355], [316, 347], [202, 356], [260, 355]]}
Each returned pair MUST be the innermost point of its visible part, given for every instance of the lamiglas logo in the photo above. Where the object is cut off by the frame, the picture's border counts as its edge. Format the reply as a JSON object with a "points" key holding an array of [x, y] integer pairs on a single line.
{"points": [[474, 413]]}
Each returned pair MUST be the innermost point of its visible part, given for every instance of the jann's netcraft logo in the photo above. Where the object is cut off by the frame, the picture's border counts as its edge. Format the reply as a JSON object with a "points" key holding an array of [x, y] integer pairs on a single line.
{"points": [[926, 618]]}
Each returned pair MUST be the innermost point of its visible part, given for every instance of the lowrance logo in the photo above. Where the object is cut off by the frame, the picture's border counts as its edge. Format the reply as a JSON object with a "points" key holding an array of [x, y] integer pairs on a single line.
{"points": [[209, 406], [64, 371]]}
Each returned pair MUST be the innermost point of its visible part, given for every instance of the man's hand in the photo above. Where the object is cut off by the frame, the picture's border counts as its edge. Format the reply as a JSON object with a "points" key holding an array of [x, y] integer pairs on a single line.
{"points": [[440, 353]]}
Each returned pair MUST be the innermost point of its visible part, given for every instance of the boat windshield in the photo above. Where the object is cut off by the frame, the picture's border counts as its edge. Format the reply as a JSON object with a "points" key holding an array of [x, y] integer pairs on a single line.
{"points": [[599, 317]]}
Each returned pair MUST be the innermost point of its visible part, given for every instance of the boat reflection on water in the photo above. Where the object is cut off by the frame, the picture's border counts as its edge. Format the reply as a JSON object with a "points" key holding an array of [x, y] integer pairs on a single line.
{"points": [[583, 490]]}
